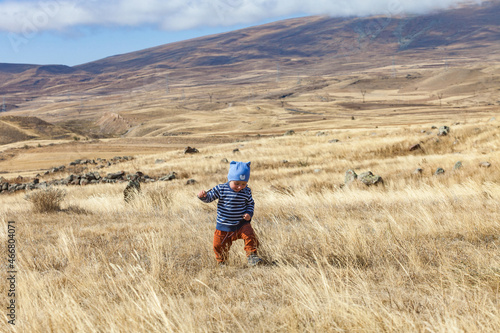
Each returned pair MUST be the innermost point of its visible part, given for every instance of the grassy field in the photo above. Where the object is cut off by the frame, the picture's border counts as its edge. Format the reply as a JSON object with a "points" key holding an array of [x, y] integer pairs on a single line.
{"points": [[419, 254]]}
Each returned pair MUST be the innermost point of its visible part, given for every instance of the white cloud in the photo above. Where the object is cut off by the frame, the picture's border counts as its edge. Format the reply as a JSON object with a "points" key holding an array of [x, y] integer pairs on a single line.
{"points": [[28, 17]]}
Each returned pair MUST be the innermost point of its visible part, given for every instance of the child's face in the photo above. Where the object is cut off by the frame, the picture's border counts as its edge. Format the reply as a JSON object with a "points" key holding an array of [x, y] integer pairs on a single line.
{"points": [[237, 186]]}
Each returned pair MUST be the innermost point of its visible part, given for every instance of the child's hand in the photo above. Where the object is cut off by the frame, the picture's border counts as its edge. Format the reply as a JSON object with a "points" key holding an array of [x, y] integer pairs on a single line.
{"points": [[247, 217], [202, 194]]}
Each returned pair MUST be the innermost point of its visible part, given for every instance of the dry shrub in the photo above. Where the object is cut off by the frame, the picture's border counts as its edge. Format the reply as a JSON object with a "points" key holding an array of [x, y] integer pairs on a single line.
{"points": [[46, 200]]}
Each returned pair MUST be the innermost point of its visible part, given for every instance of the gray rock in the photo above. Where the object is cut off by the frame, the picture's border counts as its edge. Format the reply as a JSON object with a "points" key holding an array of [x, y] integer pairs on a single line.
{"points": [[334, 141], [116, 175], [444, 130], [415, 147], [369, 179], [290, 132], [485, 164], [457, 166], [171, 176], [350, 176], [418, 171], [190, 150], [191, 182], [132, 189], [439, 171]]}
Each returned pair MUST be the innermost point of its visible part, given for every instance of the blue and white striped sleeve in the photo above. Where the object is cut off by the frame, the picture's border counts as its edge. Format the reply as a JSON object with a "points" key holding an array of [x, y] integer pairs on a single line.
{"points": [[212, 194]]}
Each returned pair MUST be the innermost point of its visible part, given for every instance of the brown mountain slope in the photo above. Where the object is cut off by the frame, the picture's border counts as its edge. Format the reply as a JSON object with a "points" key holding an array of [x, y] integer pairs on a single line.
{"points": [[310, 44]]}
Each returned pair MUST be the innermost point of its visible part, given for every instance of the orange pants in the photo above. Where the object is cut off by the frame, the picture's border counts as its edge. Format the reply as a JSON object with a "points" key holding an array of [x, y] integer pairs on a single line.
{"points": [[224, 239]]}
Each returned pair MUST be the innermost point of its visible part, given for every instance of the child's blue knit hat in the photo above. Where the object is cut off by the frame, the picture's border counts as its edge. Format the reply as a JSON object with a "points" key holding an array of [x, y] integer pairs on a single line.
{"points": [[239, 171]]}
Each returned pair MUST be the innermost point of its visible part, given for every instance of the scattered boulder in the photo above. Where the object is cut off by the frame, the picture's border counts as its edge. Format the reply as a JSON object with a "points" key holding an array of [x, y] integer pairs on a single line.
{"points": [[485, 164], [116, 175], [350, 177], [418, 171], [415, 147], [334, 141], [190, 150], [458, 166], [169, 177], [439, 171], [290, 132], [236, 150], [191, 182], [369, 179], [443, 131], [132, 189], [224, 160], [158, 161]]}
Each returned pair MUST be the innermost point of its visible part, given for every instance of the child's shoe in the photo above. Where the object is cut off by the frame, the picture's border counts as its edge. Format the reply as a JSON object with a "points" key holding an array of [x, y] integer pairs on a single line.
{"points": [[254, 260]]}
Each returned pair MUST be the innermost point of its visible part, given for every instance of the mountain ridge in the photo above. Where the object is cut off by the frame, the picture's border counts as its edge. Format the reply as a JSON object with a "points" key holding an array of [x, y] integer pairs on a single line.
{"points": [[297, 37]]}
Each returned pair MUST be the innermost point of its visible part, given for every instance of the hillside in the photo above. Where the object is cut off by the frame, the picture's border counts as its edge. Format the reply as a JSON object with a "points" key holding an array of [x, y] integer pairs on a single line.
{"points": [[13, 129], [309, 73], [318, 44]]}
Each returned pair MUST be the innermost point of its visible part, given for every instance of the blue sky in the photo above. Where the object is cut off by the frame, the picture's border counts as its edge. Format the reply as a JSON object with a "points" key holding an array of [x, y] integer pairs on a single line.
{"points": [[73, 32]]}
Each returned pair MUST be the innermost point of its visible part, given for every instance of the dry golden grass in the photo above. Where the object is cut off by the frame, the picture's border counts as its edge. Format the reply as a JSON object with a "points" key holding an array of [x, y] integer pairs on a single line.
{"points": [[420, 254]]}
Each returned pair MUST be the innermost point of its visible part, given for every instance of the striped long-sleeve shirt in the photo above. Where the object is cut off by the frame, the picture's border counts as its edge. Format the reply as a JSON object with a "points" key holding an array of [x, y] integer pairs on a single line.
{"points": [[231, 206]]}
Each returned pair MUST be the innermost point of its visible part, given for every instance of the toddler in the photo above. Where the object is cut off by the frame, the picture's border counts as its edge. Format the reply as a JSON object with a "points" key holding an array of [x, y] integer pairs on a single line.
{"points": [[234, 213]]}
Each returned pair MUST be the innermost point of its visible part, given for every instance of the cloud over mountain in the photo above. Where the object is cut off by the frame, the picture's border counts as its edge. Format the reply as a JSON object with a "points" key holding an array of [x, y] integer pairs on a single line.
{"points": [[33, 16]]}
